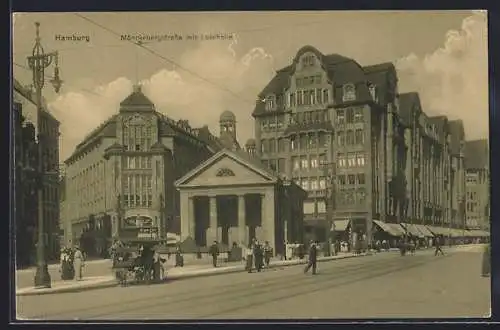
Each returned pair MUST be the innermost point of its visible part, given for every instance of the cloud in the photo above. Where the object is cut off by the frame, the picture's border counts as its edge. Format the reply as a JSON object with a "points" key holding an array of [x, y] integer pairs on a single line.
{"points": [[454, 79], [177, 93]]}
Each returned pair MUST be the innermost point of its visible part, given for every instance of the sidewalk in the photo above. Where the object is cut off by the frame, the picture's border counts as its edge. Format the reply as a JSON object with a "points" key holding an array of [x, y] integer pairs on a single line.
{"points": [[55, 266], [172, 274]]}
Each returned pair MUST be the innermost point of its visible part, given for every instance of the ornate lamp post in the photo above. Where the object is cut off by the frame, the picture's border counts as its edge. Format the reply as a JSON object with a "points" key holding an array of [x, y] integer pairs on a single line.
{"points": [[38, 62]]}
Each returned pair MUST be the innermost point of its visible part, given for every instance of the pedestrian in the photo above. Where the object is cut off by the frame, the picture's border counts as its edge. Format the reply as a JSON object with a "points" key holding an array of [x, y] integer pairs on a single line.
{"points": [[214, 252], [437, 244], [179, 259], [258, 256], [313, 254], [268, 251], [288, 251], [249, 258], [78, 263]]}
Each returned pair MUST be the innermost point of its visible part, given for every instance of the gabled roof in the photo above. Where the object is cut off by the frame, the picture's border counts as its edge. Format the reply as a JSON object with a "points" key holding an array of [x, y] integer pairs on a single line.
{"points": [[476, 154], [137, 98], [239, 156], [340, 70]]}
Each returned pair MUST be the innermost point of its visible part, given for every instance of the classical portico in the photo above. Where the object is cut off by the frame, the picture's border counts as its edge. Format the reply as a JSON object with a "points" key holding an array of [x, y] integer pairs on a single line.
{"points": [[231, 198]]}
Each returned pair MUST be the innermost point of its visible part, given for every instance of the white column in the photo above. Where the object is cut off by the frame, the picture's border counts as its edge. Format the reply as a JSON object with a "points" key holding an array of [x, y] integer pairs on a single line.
{"points": [[184, 216], [192, 220], [263, 217], [212, 232], [242, 221], [213, 212]]}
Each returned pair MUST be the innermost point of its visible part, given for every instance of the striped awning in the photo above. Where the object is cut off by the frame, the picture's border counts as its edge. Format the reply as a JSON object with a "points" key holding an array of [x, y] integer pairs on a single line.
{"points": [[388, 228], [438, 230], [412, 230], [424, 230]]}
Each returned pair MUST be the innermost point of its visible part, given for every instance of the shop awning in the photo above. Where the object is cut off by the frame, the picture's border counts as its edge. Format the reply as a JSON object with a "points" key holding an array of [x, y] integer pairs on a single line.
{"points": [[479, 233], [341, 225], [438, 230], [412, 230], [389, 228], [424, 230], [397, 228]]}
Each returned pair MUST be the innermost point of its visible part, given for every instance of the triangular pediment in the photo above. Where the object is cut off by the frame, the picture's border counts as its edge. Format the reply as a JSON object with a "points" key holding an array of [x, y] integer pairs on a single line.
{"points": [[225, 169]]}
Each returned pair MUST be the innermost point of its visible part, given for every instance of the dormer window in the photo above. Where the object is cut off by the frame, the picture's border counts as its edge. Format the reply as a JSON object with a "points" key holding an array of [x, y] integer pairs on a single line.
{"points": [[373, 92], [270, 103], [349, 92]]}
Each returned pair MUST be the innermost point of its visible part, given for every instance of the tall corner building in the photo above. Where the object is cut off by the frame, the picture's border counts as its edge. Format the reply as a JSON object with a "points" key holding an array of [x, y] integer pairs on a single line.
{"points": [[326, 114], [124, 171], [477, 184], [25, 127]]}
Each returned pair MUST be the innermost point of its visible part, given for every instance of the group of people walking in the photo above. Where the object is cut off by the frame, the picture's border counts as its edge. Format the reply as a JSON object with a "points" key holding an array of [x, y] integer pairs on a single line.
{"points": [[258, 255], [72, 263]]}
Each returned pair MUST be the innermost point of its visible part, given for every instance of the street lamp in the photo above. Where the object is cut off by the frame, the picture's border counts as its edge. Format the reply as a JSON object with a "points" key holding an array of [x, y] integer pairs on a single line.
{"points": [[329, 201], [38, 62]]}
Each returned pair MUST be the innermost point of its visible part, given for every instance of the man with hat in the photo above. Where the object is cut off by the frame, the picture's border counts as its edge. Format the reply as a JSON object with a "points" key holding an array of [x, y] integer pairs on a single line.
{"points": [[313, 258], [214, 252]]}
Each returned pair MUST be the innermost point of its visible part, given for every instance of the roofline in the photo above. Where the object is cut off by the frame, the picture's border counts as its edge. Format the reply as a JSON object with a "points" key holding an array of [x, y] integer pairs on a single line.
{"points": [[216, 156]]}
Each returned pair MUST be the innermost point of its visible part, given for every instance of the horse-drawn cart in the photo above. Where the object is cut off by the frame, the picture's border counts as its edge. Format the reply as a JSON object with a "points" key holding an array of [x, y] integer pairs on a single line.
{"points": [[138, 261]]}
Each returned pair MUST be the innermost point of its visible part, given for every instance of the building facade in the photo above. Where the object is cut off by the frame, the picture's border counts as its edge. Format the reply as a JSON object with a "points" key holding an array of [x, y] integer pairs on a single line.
{"points": [[232, 199], [477, 184], [121, 177], [392, 162], [457, 176], [25, 124]]}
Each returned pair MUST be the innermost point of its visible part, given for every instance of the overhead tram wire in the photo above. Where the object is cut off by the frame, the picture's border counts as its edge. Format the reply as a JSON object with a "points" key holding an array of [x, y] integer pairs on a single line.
{"points": [[140, 44]]}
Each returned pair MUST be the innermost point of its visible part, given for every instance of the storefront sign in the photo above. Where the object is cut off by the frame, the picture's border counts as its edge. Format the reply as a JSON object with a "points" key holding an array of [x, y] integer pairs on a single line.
{"points": [[148, 233]]}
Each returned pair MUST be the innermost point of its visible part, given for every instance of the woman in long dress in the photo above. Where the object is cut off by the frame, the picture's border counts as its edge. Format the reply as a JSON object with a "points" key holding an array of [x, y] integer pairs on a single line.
{"points": [[78, 264]]}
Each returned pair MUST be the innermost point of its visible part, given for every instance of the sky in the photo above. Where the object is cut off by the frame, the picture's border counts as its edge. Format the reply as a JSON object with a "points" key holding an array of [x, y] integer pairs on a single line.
{"points": [[442, 55]]}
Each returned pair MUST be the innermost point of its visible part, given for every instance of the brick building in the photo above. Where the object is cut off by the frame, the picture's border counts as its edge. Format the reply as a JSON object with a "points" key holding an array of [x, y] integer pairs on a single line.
{"points": [[392, 163]]}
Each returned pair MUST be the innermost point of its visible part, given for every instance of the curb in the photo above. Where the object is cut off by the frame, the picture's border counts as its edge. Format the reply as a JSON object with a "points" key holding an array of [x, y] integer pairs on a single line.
{"points": [[220, 271], [102, 285]]}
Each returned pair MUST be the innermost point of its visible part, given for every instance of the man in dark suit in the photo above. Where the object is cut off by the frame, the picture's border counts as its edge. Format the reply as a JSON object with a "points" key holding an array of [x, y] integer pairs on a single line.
{"points": [[313, 258], [214, 252], [437, 245]]}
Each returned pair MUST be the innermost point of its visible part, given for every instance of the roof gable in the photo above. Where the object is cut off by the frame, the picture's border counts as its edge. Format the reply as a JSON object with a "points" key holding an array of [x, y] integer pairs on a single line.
{"points": [[226, 168]]}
